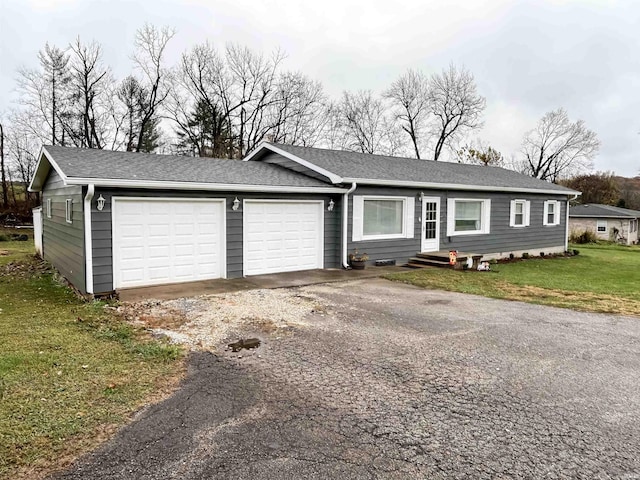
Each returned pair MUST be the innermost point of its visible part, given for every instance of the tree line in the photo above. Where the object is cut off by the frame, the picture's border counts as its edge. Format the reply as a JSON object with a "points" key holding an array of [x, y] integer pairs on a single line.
{"points": [[222, 102]]}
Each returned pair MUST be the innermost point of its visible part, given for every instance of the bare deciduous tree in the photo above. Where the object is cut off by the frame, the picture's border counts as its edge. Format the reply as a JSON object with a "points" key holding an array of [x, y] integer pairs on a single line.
{"points": [[456, 105], [5, 192], [409, 96], [558, 148], [151, 44], [90, 85], [43, 96], [481, 153], [366, 127]]}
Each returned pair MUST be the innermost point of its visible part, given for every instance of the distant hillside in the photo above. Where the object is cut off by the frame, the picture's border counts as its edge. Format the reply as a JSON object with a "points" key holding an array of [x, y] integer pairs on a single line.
{"points": [[629, 192]]}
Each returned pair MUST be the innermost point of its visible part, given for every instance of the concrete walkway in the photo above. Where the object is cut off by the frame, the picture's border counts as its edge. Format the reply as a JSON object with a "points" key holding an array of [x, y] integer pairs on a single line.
{"points": [[276, 280]]}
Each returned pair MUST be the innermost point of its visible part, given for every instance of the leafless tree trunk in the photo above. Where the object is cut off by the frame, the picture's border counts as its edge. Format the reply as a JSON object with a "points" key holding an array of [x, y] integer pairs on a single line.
{"points": [[409, 96], [558, 148], [89, 81], [151, 44], [366, 126], [456, 105], [5, 193]]}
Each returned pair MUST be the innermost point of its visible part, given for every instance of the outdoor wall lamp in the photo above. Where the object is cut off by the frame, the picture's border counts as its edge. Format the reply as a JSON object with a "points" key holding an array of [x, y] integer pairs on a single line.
{"points": [[332, 204], [421, 195], [100, 202], [236, 204]]}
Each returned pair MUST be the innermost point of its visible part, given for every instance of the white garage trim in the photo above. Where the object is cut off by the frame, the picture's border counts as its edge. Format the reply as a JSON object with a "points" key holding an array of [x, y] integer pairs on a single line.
{"points": [[222, 253], [319, 260]]}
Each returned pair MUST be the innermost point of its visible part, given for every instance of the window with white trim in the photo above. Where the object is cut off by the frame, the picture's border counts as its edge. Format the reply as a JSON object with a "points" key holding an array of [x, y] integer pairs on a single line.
{"points": [[48, 208], [520, 213], [601, 226], [468, 216], [551, 213], [382, 217], [69, 210]]}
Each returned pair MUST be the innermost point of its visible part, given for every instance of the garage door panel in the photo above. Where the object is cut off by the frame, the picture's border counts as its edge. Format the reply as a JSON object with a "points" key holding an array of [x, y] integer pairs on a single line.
{"points": [[167, 241], [282, 236]]}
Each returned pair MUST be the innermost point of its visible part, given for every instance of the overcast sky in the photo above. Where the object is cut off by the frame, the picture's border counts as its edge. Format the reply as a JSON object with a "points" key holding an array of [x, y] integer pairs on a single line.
{"points": [[528, 57]]}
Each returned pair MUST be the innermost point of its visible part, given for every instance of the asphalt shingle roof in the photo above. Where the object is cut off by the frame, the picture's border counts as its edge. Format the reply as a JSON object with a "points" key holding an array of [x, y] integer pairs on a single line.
{"points": [[599, 210], [353, 165], [106, 164]]}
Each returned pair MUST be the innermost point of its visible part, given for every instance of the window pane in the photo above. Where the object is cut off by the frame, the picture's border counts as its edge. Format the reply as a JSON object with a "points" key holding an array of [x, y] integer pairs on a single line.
{"points": [[468, 216], [519, 219], [382, 217]]}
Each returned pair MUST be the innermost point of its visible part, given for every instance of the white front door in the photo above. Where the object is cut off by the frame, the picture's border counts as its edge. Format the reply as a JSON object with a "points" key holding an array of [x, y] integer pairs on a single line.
{"points": [[282, 236], [430, 224]]}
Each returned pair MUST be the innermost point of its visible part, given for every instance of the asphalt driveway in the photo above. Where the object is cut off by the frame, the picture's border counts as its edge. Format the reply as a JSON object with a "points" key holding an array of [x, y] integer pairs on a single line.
{"points": [[384, 380]]}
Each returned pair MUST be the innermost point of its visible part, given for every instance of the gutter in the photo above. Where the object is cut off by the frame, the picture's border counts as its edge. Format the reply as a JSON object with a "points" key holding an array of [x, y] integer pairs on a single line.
{"points": [[88, 240], [345, 223]]}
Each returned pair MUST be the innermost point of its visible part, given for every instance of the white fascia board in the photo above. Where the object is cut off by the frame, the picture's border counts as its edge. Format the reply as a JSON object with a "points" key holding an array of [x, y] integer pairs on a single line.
{"points": [[452, 186], [44, 154], [333, 178], [572, 215], [106, 182]]}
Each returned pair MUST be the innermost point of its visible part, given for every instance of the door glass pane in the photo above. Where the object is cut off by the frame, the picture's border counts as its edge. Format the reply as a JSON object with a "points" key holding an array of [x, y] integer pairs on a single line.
{"points": [[430, 215]]}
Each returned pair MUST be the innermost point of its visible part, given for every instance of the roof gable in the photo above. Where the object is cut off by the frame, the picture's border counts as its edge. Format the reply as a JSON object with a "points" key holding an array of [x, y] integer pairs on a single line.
{"points": [[128, 169]]}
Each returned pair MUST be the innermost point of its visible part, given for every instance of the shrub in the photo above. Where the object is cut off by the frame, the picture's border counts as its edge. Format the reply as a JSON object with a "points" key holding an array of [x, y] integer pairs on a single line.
{"points": [[525, 255], [576, 252], [587, 236], [4, 238], [542, 254], [512, 256]]}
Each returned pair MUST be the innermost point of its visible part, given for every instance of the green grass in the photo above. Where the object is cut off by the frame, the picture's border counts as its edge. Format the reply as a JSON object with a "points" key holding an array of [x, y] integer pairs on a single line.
{"points": [[70, 371], [603, 278]]}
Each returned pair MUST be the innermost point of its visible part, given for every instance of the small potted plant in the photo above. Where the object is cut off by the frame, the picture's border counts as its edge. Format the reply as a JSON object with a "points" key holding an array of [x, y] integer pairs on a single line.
{"points": [[357, 260]]}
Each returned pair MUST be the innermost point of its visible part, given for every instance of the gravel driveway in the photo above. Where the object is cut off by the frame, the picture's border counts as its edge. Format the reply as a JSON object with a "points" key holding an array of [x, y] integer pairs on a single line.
{"points": [[373, 379]]}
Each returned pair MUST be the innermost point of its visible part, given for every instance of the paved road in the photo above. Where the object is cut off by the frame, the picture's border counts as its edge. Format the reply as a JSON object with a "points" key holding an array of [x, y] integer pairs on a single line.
{"points": [[398, 382]]}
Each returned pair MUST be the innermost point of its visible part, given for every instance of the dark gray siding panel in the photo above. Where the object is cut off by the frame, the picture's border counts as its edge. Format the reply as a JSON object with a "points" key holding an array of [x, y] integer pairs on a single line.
{"points": [[63, 243], [101, 224], [501, 239]]}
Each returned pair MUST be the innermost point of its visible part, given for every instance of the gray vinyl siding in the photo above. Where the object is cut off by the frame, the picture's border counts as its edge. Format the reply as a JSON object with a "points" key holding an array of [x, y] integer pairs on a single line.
{"points": [[277, 159], [502, 238], [102, 231], [62, 242]]}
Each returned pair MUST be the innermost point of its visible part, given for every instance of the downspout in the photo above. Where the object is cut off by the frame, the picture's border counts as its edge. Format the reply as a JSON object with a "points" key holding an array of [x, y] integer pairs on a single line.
{"points": [[88, 241], [345, 223], [566, 233]]}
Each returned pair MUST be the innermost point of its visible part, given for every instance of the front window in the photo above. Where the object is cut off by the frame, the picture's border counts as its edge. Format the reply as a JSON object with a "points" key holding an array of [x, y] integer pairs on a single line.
{"points": [[382, 217], [602, 226], [468, 216]]}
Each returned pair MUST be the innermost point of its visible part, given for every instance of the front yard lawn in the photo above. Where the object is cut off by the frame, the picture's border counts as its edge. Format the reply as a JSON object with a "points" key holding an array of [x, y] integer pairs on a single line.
{"points": [[603, 278], [71, 372]]}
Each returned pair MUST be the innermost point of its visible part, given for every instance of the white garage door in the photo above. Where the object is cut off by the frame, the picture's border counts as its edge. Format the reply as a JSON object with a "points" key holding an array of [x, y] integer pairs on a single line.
{"points": [[167, 241], [282, 236]]}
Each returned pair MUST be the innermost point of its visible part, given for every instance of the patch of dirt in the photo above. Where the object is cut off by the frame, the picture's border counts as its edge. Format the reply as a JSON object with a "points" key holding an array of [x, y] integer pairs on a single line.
{"points": [[29, 267], [209, 322], [577, 300]]}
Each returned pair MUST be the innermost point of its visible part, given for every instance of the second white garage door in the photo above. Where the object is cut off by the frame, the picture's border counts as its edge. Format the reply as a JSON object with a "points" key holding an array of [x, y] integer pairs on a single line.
{"points": [[167, 241], [282, 236]]}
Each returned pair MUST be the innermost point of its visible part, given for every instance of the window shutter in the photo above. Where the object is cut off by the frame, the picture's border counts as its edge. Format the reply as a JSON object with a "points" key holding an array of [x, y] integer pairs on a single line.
{"points": [[527, 213], [357, 216], [451, 216], [410, 217], [512, 215], [486, 220], [556, 213]]}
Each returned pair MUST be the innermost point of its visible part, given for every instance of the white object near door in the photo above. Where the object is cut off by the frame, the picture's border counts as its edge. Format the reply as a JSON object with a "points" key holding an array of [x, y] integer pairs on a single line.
{"points": [[430, 224]]}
